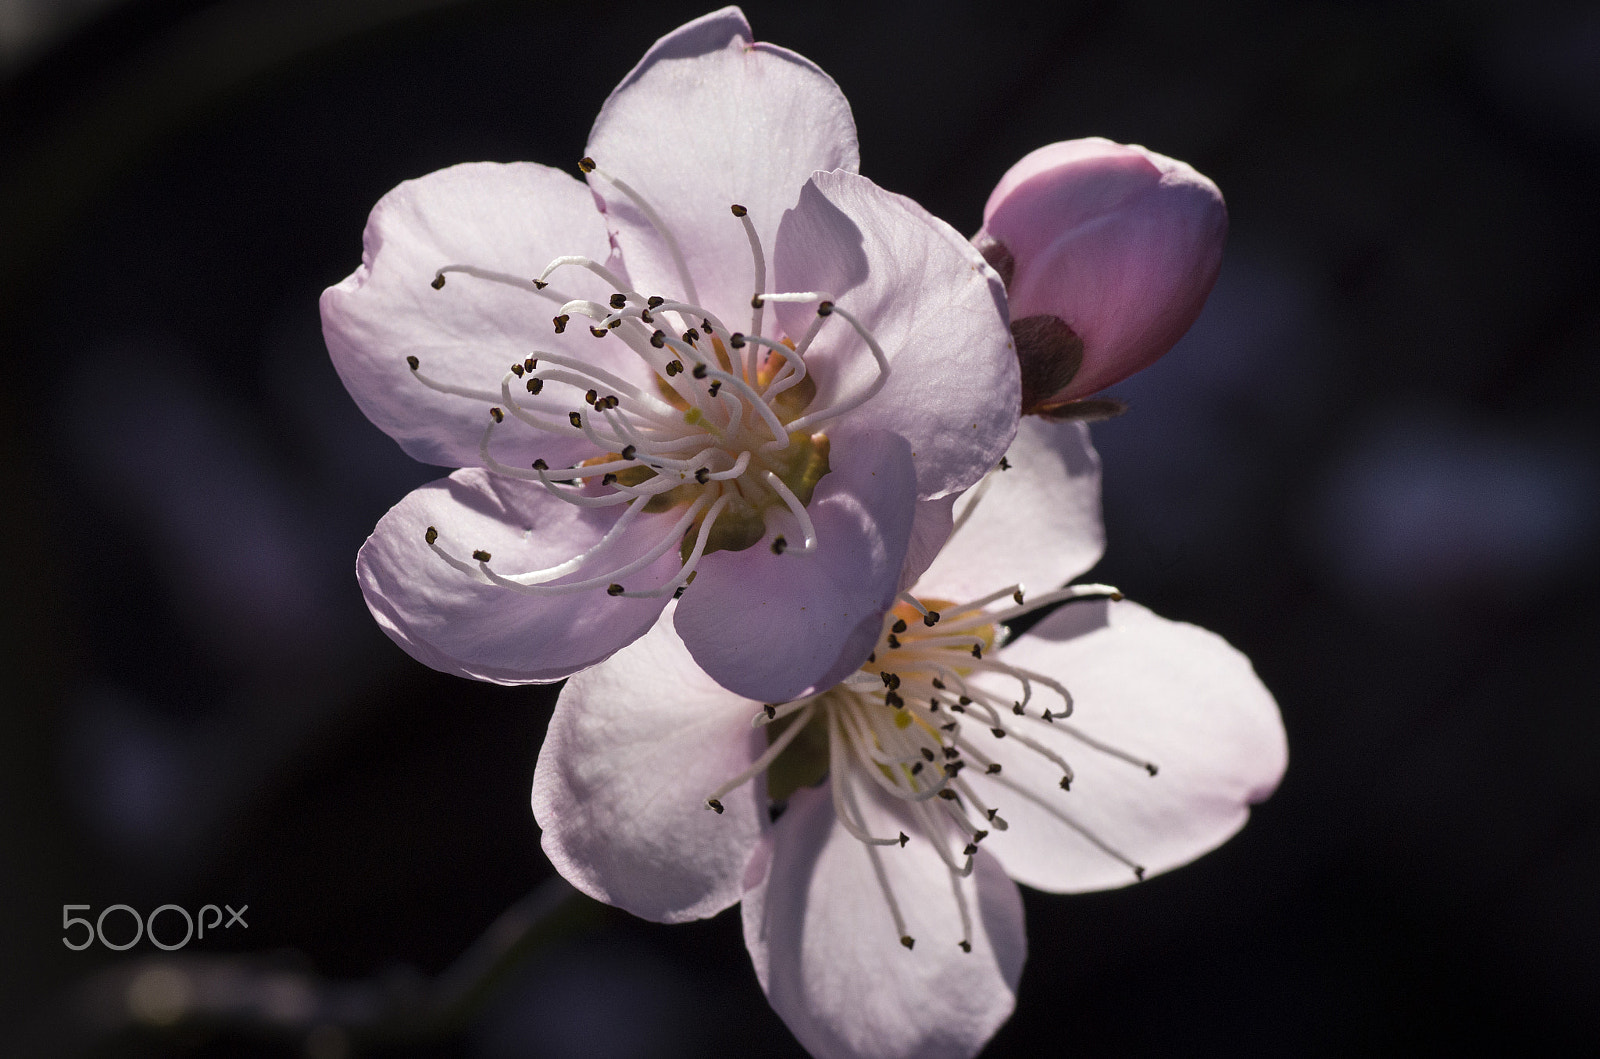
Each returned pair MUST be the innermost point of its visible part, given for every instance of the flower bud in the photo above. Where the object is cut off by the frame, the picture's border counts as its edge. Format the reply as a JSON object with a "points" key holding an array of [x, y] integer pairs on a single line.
{"points": [[1108, 252]]}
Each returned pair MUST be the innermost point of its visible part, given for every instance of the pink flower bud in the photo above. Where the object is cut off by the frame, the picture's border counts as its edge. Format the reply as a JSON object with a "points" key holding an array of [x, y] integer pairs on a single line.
{"points": [[1108, 252]]}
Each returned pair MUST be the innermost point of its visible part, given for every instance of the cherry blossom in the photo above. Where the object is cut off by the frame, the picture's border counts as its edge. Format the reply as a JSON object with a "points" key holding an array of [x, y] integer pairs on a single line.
{"points": [[724, 367], [1102, 746]]}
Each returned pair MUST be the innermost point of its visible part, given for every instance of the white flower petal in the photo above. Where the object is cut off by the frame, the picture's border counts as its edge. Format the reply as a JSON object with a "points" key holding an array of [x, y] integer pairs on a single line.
{"points": [[1163, 691], [633, 750], [827, 953]]}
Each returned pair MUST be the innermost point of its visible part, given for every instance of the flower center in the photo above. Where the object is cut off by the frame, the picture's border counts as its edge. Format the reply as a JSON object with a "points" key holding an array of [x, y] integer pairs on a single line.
{"points": [[914, 718], [724, 434]]}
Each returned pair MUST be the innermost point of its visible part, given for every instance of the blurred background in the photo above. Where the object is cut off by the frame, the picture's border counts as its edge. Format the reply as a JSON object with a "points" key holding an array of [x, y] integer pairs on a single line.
{"points": [[1373, 465]]}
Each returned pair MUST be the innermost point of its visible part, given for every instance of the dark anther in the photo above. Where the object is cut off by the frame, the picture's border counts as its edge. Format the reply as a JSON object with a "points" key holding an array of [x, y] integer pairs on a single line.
{"points": [[888, 680], [655, 300], [629, 451], [614, 589], [954, 767], [979, 836], [899, 625], [531, 363], [736, 340], [1066, 783], [497, 415], [938, 683], [965, 701], [770, 710], [873, 657], [611, 401], [907, 940], [1150, 768], [951, 751], [952, 726], [540, 465], [934, 704], [972, 848], [413, 363], [993, 769], [540, 284], [691, 335], [931, 618], [716, 384], [756, 302], [614, 324], [599, 332], [956, 707], [561, 322], [674, 367], [966, 946], [481, 555], [535, 385], [916, 768], [893, 699], [738, 210], [700, 370], [618, 301], [586, 164], [1017, 595], [779, 544], [1138, 872], [703, 475], [1047, 715], [824, 308], [658, 339], [1016, 708], [903, 840], [678, 593], [438, 282], [948, 795], [516, 369], [991, 814], [1005, 464], [714, 804], [608, 479], [894, 641], [894, 680], [431, 535], [591, 397], [977, 650], [644, 314], [927, 753], [575, 418], [999, 733], [705, 325]]}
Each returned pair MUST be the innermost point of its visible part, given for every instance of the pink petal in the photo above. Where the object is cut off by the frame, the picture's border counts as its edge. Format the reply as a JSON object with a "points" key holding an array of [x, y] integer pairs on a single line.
{"points": [[635, 746], [932, 304], [772, 626], [1166, 692], [448, 620], [1121, 243], [706, 120], [1037, 523], [510, 218], [827, 953]]}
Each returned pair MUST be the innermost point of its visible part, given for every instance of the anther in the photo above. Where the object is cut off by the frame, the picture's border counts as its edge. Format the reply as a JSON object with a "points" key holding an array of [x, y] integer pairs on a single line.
{"points": [[778, 545], [674, 367], [948, 795], [591, 397], [561, 322], [966, 946], [927, 753], [899, 625], [990, 815], [999, 733], [903, 840], [907, 940], [964, 701], [954, 767], [614, 324], [893, 699], [824, 308], [700, 370], [516, 369], [540, 465], [658, 339], [971, 850], [977, 650], [599, 332], [738, 210], [716, 384], [655, 300], [497, 415], [481, 555], [1005, 464], [1047, 715], [586, 165], [993, 769], [531, 363], [757, 302], [629, 451], [678, 592], [535, 385], [413, 363], [980, 835], [1017, 595], [712, 803], [956, 707], [951, 751], [1066, 783], [691, 336], [938, 683], [931, 618], [576, 419], [614, 589], [703, 475], [916, 768], [608, 479], [893, 680], [644, 314], [619, 301], [736, 340], [894, 641], [431, 535], [540, 284], [1016, 708], [1151, 769], [770, 710], [438, 282]]}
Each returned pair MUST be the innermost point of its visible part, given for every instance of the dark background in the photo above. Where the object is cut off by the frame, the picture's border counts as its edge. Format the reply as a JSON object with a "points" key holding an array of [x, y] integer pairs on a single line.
{"points": [[1373, 465]]}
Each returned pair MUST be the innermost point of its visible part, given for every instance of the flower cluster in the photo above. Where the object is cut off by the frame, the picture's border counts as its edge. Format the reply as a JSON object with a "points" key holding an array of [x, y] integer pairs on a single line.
{"points": [[740, 453]]}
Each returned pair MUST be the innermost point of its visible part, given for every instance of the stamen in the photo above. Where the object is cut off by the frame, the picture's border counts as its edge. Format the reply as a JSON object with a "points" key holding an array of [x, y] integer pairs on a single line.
{"points": [[770, 755], [760, 259], [505, 278], [443, 387], [797, 509], [657, 223], [594, 266]]}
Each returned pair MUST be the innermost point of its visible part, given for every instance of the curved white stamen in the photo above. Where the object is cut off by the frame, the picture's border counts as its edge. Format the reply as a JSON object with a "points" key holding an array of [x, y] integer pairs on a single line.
{"points": [[850, 403], [770, 755], [611, 278], [1107, 748], [672, 537], [779, 710], [760, 259], [1055, 810], [842, 795], [796, 508], [966, 914], [505, 278], [1070, 592], [877, 870], [686, 571], [927, 816], [577, 499], [661, 228], [913, 602], [445, 387], [615, 383]]}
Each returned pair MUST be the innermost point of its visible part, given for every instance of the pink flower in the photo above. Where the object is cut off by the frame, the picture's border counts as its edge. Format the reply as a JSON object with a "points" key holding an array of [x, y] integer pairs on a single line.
{"points": [[1103, 745], [1108, 252], [728, 359]]}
